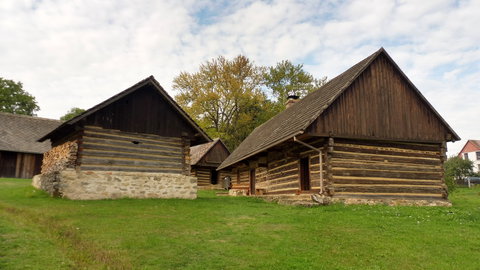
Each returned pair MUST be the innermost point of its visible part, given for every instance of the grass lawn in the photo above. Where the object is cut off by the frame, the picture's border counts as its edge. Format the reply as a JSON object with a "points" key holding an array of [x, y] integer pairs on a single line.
{"points": [[39, 232]]}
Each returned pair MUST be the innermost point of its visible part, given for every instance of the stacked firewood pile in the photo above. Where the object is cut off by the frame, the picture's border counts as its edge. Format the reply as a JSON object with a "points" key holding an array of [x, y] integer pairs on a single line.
{"points": [[60, 157]]}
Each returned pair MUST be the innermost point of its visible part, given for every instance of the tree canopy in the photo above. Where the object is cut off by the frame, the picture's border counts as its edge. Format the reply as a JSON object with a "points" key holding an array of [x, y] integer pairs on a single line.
{"points": [[286, 79], [225, 97], [72, 113], [230, 98], [13, 99]]}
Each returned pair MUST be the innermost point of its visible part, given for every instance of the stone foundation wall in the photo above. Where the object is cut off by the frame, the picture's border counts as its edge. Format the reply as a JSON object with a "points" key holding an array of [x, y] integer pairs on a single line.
{"points": [[96, 185]]}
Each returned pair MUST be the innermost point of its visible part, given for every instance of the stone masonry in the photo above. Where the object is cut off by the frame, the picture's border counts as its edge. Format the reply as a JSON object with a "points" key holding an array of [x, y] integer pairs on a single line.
{"points": [[96, 185]]}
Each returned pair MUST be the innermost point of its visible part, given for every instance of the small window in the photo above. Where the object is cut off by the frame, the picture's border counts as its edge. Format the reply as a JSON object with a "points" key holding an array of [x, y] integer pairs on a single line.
{"points": [[478, 155], [465, 156], [478, 167]]}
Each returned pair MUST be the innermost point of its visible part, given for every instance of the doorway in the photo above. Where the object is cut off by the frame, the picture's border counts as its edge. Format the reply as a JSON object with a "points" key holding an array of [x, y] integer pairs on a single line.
{"points": [[213, 177], [305, 173], [252, 181]]}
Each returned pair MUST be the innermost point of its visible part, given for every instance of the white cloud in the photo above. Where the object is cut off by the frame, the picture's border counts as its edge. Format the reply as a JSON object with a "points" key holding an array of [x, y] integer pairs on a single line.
{"points": [[78, 53]]}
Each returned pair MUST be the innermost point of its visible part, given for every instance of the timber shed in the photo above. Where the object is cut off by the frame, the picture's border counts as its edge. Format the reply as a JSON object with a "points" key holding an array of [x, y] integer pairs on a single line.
{"points": [[20, 152], [135, 144], [205, 159], [367, 135]]}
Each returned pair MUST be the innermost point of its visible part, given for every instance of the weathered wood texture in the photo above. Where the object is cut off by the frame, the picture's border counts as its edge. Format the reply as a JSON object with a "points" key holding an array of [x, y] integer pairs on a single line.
{"points": [[241, 179], [357, 168], [215, 156], [380, 104], [204, 176], [142, 111], [281, 174], [379, 169], [19, 165], [113, 150]]}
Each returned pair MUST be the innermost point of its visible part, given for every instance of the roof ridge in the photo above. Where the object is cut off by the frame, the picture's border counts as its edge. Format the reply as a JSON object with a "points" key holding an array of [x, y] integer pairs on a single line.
{"points": [[305, 111], [30, 116], [150, 79]]}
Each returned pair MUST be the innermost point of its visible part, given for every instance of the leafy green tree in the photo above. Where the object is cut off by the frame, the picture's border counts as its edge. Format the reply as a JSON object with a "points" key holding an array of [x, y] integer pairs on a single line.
{"points": [[13, 99], [72, 113], [286, 79], [225, 97], [456, 170]]}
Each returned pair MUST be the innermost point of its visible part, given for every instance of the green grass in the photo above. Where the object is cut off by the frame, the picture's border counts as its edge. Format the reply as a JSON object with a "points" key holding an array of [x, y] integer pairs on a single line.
{"points": [[39, 232]]}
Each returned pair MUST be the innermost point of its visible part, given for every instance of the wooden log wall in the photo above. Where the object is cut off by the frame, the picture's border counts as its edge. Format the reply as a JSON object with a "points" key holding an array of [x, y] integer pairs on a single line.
{"points": [[113, 150], [241, 179], [283, 175], [283, 170], [203, 176], [261, 174], [386, 170]]}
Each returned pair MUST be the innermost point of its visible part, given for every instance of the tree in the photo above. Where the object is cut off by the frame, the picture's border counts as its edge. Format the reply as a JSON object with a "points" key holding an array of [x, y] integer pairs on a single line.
{"points": [[224, 97], [72, 113], [13, 99], [457, 169], [286, 79]]}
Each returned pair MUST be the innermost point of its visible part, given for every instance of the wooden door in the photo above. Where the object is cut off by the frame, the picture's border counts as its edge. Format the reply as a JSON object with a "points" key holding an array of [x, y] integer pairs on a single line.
{"points": [[304, 174], [252, 181]]}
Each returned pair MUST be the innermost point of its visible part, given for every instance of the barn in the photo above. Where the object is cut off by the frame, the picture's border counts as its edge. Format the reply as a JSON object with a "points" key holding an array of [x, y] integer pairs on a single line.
{"points": [[20, 153], [135, 144], [205, 159], [368, 135]]}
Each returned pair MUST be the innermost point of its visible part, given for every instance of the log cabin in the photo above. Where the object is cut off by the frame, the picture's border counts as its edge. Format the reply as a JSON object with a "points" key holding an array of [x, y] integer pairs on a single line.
{"points": [[135, 144], [20, 153], [205, 159], [367, 135]]}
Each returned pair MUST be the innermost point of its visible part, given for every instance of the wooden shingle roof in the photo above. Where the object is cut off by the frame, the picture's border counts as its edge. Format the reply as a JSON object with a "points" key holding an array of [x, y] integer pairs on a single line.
{"points": [[19, 133], [199, 151], [295, 119]]}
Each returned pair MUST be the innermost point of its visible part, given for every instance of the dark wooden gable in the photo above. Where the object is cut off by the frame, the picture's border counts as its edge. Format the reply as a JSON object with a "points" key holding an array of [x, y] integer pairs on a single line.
{"points": [[143, 108], [142, 111], [381, 104], [216, 155]]}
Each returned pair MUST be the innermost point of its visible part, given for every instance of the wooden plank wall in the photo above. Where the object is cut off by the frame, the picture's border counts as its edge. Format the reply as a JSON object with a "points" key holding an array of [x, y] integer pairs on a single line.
{"points": [[386, 169], [106, 149], [8, 161], [380, 104], [27, 165], [19, 165]]}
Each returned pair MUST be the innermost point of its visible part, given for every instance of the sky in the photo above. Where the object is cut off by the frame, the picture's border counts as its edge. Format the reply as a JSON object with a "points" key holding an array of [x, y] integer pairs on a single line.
{"points": [[78, 53]]}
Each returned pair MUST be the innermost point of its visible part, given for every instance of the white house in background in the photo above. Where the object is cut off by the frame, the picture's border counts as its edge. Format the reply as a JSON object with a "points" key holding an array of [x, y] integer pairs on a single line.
{"points": [[471, 151]]}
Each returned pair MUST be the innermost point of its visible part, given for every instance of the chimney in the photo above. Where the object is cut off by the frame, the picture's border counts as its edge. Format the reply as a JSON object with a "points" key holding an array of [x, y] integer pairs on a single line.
{"points": [[292, 99]]}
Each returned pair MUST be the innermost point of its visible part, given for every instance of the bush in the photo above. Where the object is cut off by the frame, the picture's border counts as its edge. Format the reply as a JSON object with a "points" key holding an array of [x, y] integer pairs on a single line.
{"points": [[456, 170]]}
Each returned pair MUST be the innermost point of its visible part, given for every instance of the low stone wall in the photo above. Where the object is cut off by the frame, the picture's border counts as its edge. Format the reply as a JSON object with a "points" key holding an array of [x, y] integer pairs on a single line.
{"points": [[96, 185], [393, 202]]}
